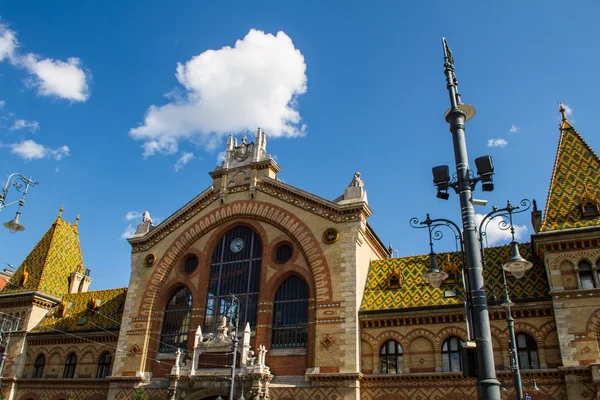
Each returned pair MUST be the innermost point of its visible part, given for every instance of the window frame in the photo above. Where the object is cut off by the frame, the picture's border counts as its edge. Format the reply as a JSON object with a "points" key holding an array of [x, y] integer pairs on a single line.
{"points": [[386, 358], [176, 321], [70, 365], [529, 351], [447, 354], [38, 367], [291, 335], [104, 365]]}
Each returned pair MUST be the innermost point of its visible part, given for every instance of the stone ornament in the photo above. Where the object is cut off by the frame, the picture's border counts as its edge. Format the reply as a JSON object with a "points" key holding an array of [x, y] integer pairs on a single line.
{"points": [[327, 342], [150, 260], [330, 236]]}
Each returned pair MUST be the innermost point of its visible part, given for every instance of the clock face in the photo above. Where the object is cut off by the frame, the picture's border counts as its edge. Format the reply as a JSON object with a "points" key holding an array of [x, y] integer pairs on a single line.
{"points": [[237, 245]]}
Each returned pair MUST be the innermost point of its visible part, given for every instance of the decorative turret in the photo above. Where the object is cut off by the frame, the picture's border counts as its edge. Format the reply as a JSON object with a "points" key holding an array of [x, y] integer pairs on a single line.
{"points": [[244, 164]]}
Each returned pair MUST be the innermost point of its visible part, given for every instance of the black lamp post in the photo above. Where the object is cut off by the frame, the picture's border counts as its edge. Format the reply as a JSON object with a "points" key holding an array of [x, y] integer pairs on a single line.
{"points": [[21, 183], [517, 265], [235, 318], [488, 387]]}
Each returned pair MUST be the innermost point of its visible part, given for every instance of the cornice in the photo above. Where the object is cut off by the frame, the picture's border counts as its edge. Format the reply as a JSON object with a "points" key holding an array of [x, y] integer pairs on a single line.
{"points": [[78, 382], [358, 211], [268, 163]]}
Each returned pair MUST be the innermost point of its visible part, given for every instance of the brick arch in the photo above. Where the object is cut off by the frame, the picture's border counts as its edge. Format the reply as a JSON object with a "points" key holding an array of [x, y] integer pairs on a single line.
{"points": [[389, 335], [420, 332], [531, 330], [281, 276], [89, 349], [592, 326], [447, 332], [368, 338], [282, 219], [500, 336], [546, 329]]}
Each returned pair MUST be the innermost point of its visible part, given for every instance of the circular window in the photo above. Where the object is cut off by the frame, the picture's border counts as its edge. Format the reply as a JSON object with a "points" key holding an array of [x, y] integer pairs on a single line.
{"points": [[283, 253], [190, 264]]}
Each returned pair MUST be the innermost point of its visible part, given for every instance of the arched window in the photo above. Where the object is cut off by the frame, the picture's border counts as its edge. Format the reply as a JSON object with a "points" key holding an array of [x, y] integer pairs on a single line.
{"points": [[38, 366], [390, 358], [234, 269], [585, 275], [451, 360], [176, 321], [104, 365], [290, 314], [528, 354], [70, 365]]}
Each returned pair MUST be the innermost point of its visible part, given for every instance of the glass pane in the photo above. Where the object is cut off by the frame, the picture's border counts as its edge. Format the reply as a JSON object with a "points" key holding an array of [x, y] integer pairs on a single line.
{"points": [[391, 346], [584, 266], [524, 359], [445, 362], [455, 362], [534, 359], [521, 341], [587, 281]]}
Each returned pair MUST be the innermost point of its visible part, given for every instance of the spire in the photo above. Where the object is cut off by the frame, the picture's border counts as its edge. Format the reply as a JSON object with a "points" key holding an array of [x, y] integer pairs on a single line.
{"points": [[575, 168], [564, 123]]}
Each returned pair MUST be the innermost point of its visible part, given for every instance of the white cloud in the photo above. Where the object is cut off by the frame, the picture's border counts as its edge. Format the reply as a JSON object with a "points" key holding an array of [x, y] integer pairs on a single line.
{"points": [[184, 159], [133, 215], [128, 232], [514, 129], [497, 142], [568, 110], [496, 235], [66, 80], [2, 103], [30, 150], [8, 42], [22, 124], [255, 83]]}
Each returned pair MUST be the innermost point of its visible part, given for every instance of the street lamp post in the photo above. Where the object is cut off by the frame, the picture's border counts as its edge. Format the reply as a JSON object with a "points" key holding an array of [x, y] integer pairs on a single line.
{"points": [[21, 183], [7, 325], [517, 265], [235, 305], [488, 387]]}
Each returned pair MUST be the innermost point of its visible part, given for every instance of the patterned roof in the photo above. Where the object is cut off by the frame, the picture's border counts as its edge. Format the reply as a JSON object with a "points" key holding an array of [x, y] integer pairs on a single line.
{"points": [[49, 264], [414, 292], [97, 310], [575, 177]]}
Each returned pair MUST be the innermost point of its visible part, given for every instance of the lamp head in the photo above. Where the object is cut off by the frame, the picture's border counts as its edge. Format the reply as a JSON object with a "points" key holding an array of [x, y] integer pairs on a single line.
{"points": [[14, 225], [517, 265], [441, 176], [442, 195], [434, 275], [535, 387]]}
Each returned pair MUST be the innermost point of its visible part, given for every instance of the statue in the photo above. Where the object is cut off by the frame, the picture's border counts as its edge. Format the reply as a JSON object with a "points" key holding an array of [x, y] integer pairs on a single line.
{"points": [[251, 359], [146, 217], [356, 181]]}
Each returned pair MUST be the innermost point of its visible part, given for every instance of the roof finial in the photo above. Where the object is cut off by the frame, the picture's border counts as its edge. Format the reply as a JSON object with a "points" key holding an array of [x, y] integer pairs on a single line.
{"points": [[563, 111], [60, 212], [77, 220]]}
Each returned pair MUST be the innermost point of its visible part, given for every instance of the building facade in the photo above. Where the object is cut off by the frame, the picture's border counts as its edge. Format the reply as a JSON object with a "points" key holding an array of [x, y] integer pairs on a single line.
{"points": [[308, 294]]}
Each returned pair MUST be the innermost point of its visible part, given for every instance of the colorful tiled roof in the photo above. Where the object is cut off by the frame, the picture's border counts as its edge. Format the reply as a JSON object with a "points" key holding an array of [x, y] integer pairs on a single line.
{"points": [[88, 311], [575, 177], [414, 292], [49, 264]]}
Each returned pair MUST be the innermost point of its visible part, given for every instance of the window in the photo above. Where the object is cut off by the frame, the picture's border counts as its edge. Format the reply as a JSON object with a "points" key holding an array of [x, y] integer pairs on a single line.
{"points": [[390, 358], [283, 253], [451, 361], [70, 364], [527, 349], [234, 269], [290, 314], [104, 365], [190, 264], [38, 366], [585, 275], [176, 321]]}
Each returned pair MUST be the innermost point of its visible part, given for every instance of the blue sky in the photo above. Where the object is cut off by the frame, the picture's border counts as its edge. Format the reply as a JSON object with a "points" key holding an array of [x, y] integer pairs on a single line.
{"points": [[367, 89]]}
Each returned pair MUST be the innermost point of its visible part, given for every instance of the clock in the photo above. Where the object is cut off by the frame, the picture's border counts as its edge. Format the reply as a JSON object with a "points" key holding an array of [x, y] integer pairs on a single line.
{"points": [[237, 245]]}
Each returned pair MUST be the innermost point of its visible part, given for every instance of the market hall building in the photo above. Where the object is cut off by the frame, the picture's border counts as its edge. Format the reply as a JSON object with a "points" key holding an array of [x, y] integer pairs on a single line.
{"points": [[324, 311]]}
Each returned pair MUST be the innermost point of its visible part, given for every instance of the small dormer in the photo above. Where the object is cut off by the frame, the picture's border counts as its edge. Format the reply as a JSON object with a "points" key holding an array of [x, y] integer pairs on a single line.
{"points": [[589, 204], [80, 280]]}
